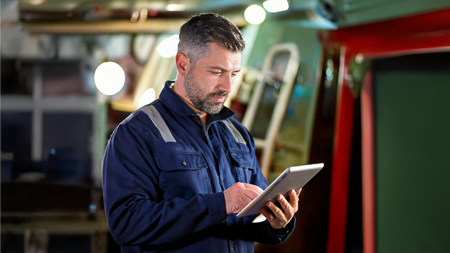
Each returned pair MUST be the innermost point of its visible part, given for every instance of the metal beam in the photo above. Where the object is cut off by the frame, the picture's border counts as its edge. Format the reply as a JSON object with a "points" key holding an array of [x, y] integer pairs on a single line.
{"points": [[98, 27], [156, 25]]}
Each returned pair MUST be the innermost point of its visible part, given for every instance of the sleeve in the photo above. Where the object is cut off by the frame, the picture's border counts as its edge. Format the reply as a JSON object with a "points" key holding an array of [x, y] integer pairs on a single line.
{"points": [[262, 232], [265, 234], [134, 205]]}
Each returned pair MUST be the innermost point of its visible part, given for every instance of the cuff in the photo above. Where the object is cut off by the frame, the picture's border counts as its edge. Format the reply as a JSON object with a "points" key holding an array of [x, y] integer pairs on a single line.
{"points": [[216, 207], [284, 231]]}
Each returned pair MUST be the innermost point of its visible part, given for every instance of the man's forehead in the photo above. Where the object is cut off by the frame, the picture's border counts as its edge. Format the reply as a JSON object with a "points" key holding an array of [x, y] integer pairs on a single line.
{"points": [[224, 67], [221, 58]]}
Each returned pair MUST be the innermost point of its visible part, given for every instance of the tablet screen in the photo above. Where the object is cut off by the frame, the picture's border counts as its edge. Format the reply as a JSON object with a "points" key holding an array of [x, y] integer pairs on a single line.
{"points": [[291, 178]]}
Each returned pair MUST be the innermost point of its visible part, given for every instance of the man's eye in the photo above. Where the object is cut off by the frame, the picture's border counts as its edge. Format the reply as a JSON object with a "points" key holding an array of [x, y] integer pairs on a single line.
{"points": [[215, 73]]}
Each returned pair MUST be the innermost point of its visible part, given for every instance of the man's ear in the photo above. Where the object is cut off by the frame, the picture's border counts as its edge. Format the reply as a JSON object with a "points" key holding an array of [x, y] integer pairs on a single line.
{"points": [[182, 63]]}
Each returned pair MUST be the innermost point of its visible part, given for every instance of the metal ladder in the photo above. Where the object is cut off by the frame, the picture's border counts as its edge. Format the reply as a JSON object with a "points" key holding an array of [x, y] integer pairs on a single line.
{"points": [[267, 145]]}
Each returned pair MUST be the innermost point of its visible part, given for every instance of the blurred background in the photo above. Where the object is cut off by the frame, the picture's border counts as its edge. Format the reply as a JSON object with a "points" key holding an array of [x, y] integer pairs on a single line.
{"points": [[362, 86]]}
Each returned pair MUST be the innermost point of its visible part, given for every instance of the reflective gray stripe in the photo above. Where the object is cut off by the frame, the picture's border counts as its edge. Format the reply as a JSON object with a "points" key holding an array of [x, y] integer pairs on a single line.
{"points": [[237, 136], [159, 122]]}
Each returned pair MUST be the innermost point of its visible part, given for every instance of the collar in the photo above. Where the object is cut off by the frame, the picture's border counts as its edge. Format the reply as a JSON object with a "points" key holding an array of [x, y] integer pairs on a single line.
{"points": [[171, 100]]}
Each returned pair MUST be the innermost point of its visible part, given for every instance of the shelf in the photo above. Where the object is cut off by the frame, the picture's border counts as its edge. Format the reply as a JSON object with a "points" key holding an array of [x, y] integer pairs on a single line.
{"points": [[18, 103]]}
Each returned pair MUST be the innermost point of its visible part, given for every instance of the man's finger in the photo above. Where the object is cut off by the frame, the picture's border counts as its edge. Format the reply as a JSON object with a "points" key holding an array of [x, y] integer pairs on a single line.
{"points": [[293, 198], [253, 187], [251, 193], [283, 203], [265, 211], [275, 210]]}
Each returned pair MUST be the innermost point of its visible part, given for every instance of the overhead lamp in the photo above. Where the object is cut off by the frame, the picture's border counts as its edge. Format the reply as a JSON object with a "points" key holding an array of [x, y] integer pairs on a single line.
{"points": [[254, 14], [276, 5], [36, 2], [109, 78], [168, 47], [148, 97], [176, 7]]}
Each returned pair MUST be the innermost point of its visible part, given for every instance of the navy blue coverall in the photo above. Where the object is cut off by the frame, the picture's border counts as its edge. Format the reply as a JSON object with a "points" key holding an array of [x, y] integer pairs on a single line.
{"points": [[164, 173]]}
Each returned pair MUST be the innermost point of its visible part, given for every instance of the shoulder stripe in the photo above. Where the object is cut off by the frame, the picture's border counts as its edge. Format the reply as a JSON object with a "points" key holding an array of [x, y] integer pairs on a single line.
{"points": [[236, 134], [159, 122]]}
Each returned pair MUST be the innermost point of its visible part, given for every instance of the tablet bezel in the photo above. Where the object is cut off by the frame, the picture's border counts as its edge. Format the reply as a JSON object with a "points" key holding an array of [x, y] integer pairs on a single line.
{"points": [[273, 190]]}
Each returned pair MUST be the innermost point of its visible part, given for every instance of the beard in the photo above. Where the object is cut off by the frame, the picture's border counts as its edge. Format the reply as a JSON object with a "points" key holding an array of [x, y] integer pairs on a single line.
{"points": [[202, 101]]}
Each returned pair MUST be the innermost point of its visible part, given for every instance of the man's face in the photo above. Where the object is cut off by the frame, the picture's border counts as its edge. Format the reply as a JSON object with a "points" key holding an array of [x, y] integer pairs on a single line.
{"points": [[208, 83]]}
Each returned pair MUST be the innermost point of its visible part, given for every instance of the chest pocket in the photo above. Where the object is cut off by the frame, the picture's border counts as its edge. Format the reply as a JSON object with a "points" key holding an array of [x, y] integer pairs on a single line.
{"points": [[185, 174], [182, 174], [242, 163]]}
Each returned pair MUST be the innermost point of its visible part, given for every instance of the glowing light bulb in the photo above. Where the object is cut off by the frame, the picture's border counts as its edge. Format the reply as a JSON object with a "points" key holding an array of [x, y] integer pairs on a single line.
{"points": [[276, 5], [168, 47], [36, 2], [148, 97], [255, 14], [109, 78], [176, 7]]}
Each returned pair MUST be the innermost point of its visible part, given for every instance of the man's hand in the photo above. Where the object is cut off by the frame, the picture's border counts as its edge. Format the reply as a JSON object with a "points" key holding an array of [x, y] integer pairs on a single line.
{"points": [[239, 195], [280, 217]]}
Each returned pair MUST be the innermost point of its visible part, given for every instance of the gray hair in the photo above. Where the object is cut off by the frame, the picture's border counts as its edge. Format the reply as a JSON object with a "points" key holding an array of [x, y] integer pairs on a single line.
{"points": [[200, 30]]}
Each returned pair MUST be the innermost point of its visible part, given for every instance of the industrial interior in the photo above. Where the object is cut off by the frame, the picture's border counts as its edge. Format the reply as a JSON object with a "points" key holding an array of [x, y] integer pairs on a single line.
{"points": [[361, 86]]}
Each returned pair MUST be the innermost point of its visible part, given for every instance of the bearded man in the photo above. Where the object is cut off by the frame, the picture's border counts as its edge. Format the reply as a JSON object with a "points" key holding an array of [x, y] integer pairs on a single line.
{"points": [[176, 171]]}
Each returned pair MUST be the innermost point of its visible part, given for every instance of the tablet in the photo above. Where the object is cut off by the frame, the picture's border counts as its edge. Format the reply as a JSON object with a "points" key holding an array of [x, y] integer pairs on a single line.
{"points": [[291, 178]]}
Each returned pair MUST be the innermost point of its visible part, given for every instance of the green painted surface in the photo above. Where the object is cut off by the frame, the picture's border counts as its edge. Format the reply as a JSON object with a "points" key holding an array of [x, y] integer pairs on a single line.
{"points": [[413, 161], [357, 12], [297, 125], [296, 128], [270, 33]]}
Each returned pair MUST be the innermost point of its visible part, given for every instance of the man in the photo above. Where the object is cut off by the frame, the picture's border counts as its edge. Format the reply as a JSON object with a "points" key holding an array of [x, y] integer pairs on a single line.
{"points": [[177, 171]]}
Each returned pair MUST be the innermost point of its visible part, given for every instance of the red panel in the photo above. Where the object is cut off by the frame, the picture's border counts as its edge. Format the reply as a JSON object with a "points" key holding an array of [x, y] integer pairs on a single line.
{"points": [[341, 165], [412, 34], [368, 173]]}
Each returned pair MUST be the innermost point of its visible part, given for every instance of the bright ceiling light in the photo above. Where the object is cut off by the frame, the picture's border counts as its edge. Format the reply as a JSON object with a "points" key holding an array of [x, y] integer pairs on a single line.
{"points": [[276, 5], [176, 7], [36, 2], [168, 47], [148, 97], [109, 78], [255, 14]]}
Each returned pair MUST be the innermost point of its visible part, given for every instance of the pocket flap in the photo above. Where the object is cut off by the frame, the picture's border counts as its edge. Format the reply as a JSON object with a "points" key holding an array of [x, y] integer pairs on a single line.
{"points": [[174, 161], [242, 158]]}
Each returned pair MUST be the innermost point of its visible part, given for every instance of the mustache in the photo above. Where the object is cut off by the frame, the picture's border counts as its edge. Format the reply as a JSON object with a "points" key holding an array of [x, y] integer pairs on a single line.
{"points": [[218, 93]]}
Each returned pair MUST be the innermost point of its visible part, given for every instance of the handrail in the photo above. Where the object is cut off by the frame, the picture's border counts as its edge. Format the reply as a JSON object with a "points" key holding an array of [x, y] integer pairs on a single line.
{"points": [[268, 143]]}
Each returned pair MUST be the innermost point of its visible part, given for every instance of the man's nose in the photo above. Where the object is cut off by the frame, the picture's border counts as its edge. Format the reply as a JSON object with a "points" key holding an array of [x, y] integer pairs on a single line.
{"points": [[226, 82]]}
